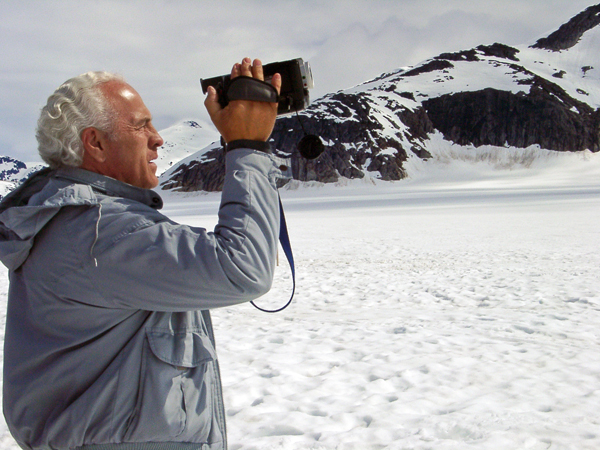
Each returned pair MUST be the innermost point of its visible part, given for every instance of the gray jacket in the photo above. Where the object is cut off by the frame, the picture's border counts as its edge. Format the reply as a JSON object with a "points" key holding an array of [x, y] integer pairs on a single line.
{"points": [[109, 343]]}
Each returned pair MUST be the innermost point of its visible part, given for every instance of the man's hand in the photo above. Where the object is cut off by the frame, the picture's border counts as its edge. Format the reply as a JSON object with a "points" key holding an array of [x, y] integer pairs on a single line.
{"points": [[242, 119]]}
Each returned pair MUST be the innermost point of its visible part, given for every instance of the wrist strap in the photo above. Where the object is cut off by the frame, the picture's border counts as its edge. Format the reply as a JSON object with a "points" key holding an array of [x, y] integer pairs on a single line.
{"points": [[247, 143], [253, 89]]}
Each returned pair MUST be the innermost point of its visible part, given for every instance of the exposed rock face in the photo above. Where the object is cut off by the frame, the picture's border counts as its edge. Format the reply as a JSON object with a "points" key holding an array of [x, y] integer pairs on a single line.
{"points": [[355, 140], [569, 34], [546, 116], [498, 50], [206, 173], [358, 139]]}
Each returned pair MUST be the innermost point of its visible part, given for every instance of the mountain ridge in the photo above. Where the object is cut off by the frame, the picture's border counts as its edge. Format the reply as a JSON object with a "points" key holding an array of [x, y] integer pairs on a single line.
{"points": [[490, 95], [568, 34], [545, 95]]}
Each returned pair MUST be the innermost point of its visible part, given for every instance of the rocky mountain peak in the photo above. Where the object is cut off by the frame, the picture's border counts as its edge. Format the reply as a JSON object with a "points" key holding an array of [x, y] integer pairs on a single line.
{"points": [[569, 34]]}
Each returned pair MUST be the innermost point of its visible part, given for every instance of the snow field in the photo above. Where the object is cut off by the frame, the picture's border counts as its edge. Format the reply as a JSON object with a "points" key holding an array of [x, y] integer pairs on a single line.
{"points": [[439, 323], [441, 312]]}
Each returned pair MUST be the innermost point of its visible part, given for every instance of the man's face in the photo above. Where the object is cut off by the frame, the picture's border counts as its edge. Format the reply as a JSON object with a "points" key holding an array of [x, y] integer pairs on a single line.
{"points": [[133, 142]]}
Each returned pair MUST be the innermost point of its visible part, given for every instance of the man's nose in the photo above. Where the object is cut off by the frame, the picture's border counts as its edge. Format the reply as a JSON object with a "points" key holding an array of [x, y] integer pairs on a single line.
{"points": [[156, 140]]}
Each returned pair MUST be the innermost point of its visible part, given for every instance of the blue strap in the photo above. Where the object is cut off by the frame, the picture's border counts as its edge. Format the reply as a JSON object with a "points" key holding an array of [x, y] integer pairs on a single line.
{"points": [[284, 238]]}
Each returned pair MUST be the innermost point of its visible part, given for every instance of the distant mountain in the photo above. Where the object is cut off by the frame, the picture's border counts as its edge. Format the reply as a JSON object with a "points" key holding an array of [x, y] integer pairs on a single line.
{"points": [[545, 96], [181, 140], [10, 168], [13, 172]]}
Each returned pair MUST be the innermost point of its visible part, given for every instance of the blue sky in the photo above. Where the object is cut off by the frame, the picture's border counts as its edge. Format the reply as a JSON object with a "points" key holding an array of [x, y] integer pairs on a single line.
{"points": [[163, 47]]}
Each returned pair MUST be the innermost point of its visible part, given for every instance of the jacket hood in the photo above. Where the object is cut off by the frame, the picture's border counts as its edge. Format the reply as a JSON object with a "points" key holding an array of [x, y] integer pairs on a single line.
{"points": [[26, 210]]}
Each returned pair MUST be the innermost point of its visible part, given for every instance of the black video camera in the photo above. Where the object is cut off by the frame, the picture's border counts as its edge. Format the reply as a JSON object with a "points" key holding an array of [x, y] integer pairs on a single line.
{"points": [[296, 80]]}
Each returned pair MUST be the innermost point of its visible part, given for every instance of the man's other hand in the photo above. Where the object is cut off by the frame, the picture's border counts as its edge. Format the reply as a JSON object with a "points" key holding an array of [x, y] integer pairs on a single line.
{"points": [[242, 119]]}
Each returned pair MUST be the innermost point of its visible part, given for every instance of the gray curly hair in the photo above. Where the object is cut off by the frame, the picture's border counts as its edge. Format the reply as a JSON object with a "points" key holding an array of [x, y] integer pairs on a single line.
{"points": [[76, 105]]}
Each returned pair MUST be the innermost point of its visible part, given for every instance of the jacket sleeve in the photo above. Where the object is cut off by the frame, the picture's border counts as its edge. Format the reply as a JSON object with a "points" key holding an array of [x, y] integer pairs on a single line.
{"points": [[163, 266]]}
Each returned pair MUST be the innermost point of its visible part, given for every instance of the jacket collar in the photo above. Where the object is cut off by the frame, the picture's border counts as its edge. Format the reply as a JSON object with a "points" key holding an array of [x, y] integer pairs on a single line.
{"points": [[110, 186], [26, 210]]}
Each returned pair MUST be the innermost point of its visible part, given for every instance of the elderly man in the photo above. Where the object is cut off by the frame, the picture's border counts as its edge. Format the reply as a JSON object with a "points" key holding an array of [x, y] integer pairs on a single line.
{"points": [[109, 343]]}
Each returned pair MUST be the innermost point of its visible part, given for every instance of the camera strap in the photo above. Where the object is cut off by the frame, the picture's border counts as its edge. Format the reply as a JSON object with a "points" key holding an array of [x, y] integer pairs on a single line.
{"points": [[284, 239]]}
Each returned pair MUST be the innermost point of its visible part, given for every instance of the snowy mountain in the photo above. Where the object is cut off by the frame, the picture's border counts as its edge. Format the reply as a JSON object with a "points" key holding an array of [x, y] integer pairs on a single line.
{"points": [[13, 172], [181, 140], [476, 103]]}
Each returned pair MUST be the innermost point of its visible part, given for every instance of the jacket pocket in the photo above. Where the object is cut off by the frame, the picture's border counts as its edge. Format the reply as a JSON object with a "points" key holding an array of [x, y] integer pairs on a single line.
{"points": [[175, 396]]}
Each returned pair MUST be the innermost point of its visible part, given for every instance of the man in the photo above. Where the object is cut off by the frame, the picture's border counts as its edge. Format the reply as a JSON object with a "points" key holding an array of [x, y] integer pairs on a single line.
{"points": [[109, 343]]}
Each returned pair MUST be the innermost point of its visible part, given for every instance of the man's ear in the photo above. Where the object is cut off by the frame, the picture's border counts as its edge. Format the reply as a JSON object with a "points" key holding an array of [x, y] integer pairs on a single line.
{"points": [[93, 144]]}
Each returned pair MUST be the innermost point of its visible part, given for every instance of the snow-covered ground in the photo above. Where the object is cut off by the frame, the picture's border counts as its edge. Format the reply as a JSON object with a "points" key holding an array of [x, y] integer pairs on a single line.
{"points": [[456, 309]]}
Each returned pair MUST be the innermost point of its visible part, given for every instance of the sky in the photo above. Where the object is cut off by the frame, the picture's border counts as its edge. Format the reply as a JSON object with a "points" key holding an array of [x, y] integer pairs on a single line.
{"points": [[163, 47]]}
